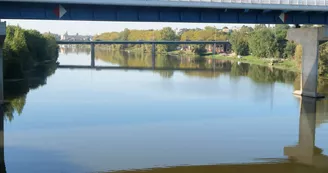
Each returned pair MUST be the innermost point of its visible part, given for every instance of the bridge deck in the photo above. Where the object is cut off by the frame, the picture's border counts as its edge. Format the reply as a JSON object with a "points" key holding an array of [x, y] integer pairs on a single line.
{"points": [[312, 5], [142, 42], [199, 11]]}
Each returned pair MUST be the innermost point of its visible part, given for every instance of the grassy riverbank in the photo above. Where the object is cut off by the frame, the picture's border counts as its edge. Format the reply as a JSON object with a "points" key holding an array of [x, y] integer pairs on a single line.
{"points": [[286, 64]]}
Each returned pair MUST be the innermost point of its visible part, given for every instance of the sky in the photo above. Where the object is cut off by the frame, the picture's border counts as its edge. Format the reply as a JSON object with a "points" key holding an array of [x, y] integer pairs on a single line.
{"points": [[96, 27]]}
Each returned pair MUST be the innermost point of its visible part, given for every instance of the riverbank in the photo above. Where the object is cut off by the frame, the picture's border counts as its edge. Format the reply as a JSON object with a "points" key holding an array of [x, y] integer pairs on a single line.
{"points": [[285, 64]]}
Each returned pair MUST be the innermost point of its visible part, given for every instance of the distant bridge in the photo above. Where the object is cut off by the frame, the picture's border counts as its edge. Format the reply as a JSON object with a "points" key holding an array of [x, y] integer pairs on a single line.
{"points": [[153, 43], [143, 42]]}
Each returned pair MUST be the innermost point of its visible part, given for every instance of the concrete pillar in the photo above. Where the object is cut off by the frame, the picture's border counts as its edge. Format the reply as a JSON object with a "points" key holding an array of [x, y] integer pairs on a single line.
{"points": [[214, 49], [2, 39], [309, 39], [153, 49], [153, 55], [92, 55]]}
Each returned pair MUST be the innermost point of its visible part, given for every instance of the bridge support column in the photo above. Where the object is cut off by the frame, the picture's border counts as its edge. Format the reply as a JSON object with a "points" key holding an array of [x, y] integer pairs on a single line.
{"points": [[2, 39], [153, 49], [214, 49], [92, 55], [309, 39], [153, 55]]}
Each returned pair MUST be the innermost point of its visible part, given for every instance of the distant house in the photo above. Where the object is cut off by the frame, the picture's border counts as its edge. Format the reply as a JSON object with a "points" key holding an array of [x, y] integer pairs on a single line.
{"points": [[220, 48], [226, 29], [76, 37]]}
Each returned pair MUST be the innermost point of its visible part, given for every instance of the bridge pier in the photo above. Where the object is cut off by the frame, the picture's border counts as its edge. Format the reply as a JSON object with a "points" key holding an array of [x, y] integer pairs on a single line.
{"points": [[2, 39], [153, 49], [309, 39], [214, 49], [92, 45], [153, 54]]}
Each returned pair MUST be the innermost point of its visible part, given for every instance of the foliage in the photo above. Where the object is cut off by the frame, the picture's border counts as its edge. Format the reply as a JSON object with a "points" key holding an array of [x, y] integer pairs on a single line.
{"points": [[298, 55], [323, 60], [30, 57], [28, 48], [262, 43], [239, 42], [289, 50], [166, 34]]}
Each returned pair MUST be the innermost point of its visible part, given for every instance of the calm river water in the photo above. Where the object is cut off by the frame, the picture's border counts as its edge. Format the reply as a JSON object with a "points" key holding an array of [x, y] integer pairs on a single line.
{"points": [[238, 118]]}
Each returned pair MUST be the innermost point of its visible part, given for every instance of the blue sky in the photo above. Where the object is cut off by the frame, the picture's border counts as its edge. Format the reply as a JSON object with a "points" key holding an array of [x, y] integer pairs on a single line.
{"points": [[95, 27]]}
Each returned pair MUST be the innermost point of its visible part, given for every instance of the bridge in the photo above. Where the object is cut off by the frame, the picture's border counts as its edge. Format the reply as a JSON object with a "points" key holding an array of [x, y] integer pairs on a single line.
{"points": [[153, 43], [200, 11]]}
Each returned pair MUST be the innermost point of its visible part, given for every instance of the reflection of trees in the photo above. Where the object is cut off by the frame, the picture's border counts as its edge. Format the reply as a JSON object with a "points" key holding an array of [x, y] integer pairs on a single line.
{"points": [[322, 112], [75, 49], [15, 90], [213, 68]]}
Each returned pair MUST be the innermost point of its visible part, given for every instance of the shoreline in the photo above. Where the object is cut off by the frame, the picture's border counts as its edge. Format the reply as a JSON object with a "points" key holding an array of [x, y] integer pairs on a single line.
{"points": [[286, 64], [283, 64]]}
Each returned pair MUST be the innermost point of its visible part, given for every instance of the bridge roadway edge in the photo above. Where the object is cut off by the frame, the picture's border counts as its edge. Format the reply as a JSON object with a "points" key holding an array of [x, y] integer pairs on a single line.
{"points": [[92, 12]]}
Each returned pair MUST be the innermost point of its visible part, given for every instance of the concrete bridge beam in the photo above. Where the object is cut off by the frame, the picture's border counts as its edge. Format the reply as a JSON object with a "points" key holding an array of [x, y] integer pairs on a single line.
{"points": [[92, 46], [309, 39], [2, 39]]}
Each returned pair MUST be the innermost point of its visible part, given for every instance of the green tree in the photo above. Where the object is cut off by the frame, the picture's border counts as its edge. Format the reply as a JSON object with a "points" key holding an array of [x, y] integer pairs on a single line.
{"points": [[239, 42], [262, 43], [124, 35], [166, 33], [323, 60], [289, 50]]}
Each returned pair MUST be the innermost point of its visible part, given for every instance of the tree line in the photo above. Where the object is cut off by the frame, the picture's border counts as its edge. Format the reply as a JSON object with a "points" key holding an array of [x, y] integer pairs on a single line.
{"points": [[24, 49], [29, 58], [265, 42], [167, 33], [259, 41]]}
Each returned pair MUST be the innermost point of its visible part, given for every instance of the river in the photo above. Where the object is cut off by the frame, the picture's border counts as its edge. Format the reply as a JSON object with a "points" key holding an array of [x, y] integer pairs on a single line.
{"points": [[237, 118]]}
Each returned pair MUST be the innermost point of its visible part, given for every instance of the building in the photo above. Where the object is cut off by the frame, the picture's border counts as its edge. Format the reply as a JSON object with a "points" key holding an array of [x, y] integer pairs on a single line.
{"points": [[226, 29], [76, 37]]}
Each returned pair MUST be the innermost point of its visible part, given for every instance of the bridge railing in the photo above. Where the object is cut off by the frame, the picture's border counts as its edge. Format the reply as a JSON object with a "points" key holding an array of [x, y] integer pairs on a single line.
{"points": [[276, 2]]}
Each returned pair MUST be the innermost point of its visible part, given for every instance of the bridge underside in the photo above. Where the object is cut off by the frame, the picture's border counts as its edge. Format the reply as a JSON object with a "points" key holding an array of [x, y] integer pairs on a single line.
{"points": [[86, 12]]}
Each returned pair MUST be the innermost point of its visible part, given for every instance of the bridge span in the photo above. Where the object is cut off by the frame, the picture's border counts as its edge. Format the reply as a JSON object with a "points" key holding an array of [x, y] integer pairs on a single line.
{"points": [[200, 11], [153, 43]]}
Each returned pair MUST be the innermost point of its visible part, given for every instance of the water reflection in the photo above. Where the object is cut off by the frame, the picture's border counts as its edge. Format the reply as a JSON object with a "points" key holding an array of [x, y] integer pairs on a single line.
{"points": [[16, 86], [2, 151], [306, 152], [132, 120], [304, 157], [207, 68]]}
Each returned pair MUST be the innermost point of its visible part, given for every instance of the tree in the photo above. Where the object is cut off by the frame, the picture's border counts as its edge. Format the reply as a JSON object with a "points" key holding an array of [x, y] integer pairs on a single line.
{"points": [[262, 43], [239, 42], [323, 60], [289, 50], [298, 55], [280, 32], [124, 35], [166, 33]]}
